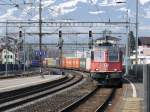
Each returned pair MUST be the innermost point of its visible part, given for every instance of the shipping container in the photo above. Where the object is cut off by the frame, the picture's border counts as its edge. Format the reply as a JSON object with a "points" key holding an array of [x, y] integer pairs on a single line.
{"points": [[35, 63], [45, 62], [83, 63], [88, 63], [71, 62], [75, 54], [52, 61], [69, 54]]}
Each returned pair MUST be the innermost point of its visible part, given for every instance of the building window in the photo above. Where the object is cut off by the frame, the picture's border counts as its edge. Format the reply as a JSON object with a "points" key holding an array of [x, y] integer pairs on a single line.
{"points": [[141, 52], [5, 56], [11, 56]]}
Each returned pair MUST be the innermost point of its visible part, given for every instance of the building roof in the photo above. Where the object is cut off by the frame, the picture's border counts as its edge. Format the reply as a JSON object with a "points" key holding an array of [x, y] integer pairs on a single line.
{"points": [[144, 41], [108, 38]]}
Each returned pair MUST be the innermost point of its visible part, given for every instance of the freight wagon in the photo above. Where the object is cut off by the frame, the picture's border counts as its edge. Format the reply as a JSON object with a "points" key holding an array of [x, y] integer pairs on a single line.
{"points": [[52, 62]]}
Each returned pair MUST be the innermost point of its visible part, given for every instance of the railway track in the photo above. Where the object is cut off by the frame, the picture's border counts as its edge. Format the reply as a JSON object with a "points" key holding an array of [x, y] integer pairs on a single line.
{"points": [[13, 99], [96, 101]]}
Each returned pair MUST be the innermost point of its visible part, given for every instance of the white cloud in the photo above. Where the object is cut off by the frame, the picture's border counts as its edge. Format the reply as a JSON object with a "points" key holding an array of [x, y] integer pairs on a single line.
{"points": [[124, 9], [36, 17], [71, 3], [62, 11], [65, 7], [144, 28], [47, 3], [147, 15], [144, 1], [110, 3], [25, 11], [9, 14], [96, 12], [93, 1]]}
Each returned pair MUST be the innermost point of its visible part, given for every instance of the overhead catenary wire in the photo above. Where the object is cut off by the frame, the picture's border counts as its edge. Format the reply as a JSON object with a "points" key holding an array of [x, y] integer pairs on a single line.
{"points": [[97, 8]]}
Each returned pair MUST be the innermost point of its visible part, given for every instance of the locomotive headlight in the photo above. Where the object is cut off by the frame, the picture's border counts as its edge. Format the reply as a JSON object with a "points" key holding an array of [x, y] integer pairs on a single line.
{"points": [[115, 69], [96, 69]]}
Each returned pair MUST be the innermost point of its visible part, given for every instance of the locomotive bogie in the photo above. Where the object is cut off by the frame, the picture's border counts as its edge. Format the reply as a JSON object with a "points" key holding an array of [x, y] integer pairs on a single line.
{"points": [[108, 79]]}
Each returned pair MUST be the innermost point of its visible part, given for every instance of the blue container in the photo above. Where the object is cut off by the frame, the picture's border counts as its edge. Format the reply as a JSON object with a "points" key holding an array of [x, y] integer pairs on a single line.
{"points": [[35, 63]]}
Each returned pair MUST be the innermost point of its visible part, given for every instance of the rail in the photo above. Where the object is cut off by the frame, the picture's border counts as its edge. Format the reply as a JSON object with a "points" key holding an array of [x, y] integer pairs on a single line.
{"points": [[13, 99], [79, 102]]}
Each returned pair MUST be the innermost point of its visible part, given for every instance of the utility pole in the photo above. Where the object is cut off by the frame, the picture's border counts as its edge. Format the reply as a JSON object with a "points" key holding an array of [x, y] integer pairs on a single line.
{"points": [[6, 56], [40, 36], [127, 48], [136, 40], [24, 54]]}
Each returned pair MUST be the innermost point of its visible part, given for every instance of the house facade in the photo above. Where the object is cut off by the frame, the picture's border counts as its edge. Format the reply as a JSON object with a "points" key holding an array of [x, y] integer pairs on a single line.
{"points": [[143, 51], [7, 57]]}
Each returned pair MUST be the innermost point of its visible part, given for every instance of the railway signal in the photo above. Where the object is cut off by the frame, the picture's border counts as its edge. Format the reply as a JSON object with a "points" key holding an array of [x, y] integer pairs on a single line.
{"points": [[20, 33], [91, 44], [60, 45], [90, 40]]}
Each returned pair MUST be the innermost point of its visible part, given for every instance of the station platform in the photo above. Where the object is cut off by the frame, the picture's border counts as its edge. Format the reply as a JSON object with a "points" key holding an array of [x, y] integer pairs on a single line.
{"points": [[129, 98], [22, 82]]}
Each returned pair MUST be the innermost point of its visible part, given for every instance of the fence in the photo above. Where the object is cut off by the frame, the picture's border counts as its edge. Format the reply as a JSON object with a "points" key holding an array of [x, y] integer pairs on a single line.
{"points": [[146, 80]]}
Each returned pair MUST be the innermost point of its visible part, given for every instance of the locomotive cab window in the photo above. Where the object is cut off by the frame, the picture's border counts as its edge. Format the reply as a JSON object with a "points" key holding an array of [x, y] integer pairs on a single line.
{"points": [[99, 56], [113, 55]]}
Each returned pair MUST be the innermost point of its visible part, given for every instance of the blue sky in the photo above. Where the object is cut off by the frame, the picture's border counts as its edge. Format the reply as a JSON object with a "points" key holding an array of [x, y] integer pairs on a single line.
{"points": [[80, 10]]}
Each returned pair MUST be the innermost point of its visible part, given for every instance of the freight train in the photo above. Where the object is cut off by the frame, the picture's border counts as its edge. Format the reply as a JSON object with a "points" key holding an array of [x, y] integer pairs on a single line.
{"points": [[104, 64]]}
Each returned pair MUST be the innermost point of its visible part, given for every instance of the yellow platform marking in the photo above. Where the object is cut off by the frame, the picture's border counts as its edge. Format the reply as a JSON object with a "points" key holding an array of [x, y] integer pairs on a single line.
{"points": [[132, 105]]}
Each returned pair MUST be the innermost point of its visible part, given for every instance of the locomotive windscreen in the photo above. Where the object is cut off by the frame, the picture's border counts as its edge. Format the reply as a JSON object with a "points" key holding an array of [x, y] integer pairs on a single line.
{"points": [[113, 54]]}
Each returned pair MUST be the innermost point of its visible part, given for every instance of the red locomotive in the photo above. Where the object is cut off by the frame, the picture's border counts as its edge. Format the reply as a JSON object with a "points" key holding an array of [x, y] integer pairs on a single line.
{"points": [[106, 65]]}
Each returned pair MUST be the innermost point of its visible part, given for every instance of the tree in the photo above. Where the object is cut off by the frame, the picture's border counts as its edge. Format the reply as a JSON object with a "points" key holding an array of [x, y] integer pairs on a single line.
{"points": [[131, 42]]}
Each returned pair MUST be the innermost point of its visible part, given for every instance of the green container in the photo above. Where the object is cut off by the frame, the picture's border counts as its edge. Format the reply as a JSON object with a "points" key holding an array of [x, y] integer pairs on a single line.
{"points": [[83, 63]]}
